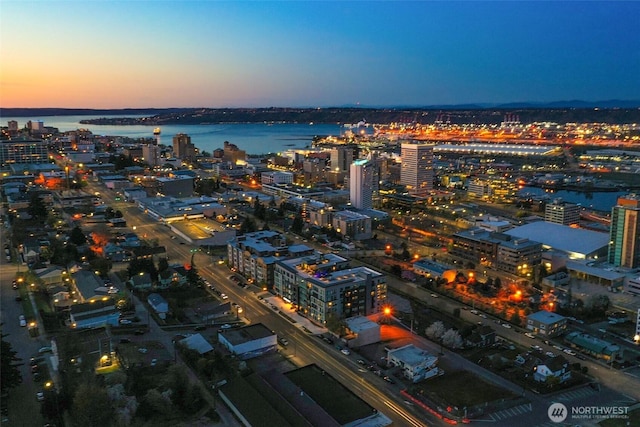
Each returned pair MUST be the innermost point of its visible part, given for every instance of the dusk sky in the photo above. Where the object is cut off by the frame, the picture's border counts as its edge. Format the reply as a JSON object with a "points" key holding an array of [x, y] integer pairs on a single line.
{"points": [[118, 54]]}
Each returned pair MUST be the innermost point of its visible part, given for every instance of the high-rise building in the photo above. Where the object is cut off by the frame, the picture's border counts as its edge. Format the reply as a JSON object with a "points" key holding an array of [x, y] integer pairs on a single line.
{"points": [[361, 184], [183, 148], [151, 154], [562, 213], [341, 158], [416, 173], [624, 244]]}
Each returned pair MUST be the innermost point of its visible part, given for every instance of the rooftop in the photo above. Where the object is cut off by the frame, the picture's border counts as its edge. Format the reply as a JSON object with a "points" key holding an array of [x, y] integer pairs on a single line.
{"points": [[562, 237], [411, 355], [246, 334], [546, 317]]}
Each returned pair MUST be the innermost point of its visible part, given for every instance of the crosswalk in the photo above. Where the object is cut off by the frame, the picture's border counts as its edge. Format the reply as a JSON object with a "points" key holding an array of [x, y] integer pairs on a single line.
{"points": [[578, 393], [510, 412]]}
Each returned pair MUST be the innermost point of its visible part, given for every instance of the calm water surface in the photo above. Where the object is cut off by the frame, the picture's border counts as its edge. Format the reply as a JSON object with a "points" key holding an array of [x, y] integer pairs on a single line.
{"points": [[255, 138]]}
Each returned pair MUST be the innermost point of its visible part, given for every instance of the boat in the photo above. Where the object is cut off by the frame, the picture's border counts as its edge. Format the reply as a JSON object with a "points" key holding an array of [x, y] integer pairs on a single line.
{"points": [[156, 131]]}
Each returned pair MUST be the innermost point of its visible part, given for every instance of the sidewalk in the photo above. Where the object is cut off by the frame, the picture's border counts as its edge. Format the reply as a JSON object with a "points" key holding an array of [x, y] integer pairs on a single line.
{"points": [[285, 310]]}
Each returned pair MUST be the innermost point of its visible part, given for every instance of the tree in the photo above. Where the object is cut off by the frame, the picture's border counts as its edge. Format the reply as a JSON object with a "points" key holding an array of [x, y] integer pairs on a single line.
{"points": [[598, 303], [515, 318], [91, 406], [11, 376], [298, 224], [163, 264], [37, 208], [452, 339], [248, 226], [435, 330], [77, 237], [139, 265], [101, 265]]}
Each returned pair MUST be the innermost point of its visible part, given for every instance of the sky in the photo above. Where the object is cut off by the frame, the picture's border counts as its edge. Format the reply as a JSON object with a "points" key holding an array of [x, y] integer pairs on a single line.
{"points": [[144, 54]]}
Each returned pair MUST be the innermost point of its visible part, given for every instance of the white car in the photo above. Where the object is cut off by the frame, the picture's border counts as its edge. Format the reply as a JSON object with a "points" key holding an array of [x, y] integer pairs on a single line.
{"points": [[474, 311], [506, 325], [23, 321], [345, 352], [529, 335], [569, 351], [224, 296], [125, 322]]}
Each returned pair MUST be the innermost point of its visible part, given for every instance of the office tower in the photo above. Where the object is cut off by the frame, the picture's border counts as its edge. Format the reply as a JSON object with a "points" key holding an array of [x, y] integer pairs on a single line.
{"points": [[183, 148], [361, 184], [625, 225], [559, 212], [341, 158], [151, 154], [416, 172]]}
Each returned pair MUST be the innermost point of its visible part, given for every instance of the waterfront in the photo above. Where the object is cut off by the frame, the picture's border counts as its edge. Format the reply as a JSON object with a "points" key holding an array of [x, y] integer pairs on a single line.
{"points": [[254, 138], [597, 200]]}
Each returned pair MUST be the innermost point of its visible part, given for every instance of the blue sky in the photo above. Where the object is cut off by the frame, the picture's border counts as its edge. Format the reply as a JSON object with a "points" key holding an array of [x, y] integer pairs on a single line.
{"points": [[111, 54]]}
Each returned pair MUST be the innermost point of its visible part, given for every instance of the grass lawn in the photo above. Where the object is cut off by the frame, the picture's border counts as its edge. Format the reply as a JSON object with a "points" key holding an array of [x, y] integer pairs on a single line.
{"points": [[453, 389]]}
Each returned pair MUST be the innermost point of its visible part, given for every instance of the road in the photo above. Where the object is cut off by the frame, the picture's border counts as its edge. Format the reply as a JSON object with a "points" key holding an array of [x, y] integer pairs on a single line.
{"points": [[308, 349], [24, 410]]}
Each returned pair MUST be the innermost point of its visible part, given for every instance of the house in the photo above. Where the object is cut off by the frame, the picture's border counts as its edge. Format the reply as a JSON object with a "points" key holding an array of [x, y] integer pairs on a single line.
{"points": [[210, 311], [87, 285], [172, 276], [150, 252], [546, 323], [60, 296], [141, 281], [416, 364], [556, 366], [94, 314], [31, 249], [159, 305], [482, 336], [51, 275]]}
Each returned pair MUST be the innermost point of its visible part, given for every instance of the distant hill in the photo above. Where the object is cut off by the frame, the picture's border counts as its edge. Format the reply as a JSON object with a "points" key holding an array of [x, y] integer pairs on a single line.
{"points": [[43, 112], [613, 111]]}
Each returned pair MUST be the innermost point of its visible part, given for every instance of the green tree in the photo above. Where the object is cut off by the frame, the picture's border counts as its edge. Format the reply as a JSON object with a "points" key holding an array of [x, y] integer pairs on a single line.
{"points": [[101, 265], [142, 265], [9, 365], [248, 226], [37, 208], [91, 406], [77, 237], [298, 224]]}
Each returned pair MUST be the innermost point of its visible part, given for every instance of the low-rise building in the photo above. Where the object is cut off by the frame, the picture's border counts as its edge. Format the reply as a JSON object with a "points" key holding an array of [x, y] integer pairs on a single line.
{"points": [[352, 224], [546, 323], [594, 346], [361, 331], [94, 314], [556, 366], [159, 305], [416, 364], [249, 341]]}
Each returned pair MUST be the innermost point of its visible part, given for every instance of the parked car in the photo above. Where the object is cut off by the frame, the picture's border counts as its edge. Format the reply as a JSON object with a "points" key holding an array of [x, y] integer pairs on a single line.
{"points": [[43, 350], [139, 332], [283, 341], [506, 325], [125, 340], [529, 335], [125, 322], [345, 351], [23, 321], [39, 396], [569, 351]]}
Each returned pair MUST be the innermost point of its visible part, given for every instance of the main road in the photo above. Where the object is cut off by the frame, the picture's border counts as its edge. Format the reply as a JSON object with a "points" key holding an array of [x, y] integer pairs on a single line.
{"points": [[385, 398]]}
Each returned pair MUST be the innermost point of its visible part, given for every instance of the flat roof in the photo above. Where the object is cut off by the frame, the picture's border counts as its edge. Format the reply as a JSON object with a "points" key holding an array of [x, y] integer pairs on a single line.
{"points": [[562, 237], [546, 317], [246, 334], [410, 354]]}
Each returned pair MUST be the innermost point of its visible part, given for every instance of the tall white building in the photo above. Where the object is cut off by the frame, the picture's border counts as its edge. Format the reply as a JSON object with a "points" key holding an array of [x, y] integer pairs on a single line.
{"points": [[416, 173], [151, 154], [361, 184]]}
